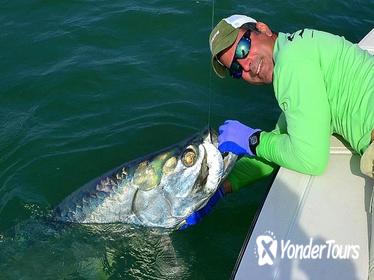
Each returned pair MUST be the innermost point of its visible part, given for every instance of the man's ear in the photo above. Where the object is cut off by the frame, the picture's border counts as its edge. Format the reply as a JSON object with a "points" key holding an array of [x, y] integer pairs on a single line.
{"points": [[263, 28]]}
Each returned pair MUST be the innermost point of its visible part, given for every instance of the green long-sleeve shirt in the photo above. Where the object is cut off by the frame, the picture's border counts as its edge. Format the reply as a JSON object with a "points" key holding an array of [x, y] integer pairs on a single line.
{"points": [[324, 84]]}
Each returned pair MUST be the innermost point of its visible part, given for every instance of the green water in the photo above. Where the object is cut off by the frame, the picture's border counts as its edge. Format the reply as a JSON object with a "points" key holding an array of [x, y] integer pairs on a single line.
{"points": [[88, 85]]}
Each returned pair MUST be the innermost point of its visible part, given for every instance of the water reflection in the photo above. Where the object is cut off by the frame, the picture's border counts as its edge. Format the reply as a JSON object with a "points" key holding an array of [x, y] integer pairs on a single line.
{"points": [[40, 249]]}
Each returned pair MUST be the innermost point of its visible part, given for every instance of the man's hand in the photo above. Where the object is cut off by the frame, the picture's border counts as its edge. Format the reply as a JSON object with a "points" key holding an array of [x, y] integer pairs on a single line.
{"points": [[234, 137]]}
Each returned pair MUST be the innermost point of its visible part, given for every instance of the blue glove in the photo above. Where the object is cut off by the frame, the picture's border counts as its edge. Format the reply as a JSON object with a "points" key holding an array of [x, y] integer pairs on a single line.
{"points": [[234, 137], [196, 216]]}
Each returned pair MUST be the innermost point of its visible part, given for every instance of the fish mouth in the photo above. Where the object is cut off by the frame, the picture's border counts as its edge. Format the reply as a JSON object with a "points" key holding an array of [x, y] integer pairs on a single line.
{"points": [[229, 159], [203, 174], [205, 181]]}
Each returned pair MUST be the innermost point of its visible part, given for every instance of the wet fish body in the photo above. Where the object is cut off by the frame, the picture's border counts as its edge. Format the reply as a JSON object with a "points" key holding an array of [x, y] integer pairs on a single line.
{"points": [[159, 190]]}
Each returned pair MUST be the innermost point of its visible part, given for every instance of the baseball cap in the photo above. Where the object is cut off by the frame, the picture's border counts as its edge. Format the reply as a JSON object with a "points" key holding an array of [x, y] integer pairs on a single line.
{"points": [[223, 36]]}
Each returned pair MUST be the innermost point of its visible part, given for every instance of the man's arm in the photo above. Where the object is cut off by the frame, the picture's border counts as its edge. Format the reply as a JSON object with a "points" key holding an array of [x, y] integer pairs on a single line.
{"points": [[302, 96]]}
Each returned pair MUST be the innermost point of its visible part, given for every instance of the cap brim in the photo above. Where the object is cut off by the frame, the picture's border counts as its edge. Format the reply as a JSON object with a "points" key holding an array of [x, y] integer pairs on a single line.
{"points": [[225, 43], [218, 68]]}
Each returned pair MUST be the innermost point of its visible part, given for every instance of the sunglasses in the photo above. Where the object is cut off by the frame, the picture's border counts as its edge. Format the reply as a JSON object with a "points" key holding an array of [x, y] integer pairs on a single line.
{"points": [[241, 51]]}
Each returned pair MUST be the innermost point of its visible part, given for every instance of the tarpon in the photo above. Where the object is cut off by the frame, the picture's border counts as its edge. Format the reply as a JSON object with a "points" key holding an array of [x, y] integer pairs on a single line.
{"points": [[158, 190]]}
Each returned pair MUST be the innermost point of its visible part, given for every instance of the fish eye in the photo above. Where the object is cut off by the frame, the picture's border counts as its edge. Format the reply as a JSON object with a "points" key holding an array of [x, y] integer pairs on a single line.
{"points": [[189, 156]]}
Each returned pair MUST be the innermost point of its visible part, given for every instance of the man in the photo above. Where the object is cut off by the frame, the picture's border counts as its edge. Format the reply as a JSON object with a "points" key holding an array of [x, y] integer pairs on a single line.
{"points": [[323, 84]]}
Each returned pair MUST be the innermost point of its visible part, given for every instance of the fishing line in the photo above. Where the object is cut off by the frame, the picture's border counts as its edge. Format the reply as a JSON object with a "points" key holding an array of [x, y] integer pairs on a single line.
{"points": [[210, 75]]}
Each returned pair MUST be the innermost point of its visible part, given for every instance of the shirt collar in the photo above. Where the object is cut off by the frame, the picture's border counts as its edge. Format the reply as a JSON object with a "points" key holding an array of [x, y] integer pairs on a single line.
{"points": [[279, 43]]}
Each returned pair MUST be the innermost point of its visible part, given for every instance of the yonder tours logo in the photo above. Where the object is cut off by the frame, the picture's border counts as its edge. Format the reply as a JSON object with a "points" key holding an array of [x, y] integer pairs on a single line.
{"points": [[268, 249]]}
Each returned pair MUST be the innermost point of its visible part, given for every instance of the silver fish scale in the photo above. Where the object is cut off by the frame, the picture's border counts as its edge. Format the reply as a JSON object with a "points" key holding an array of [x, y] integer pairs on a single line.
{"points": [[82, 206]]}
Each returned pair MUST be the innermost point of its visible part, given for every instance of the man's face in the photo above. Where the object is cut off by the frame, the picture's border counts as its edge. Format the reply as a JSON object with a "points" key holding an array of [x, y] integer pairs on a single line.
{"points": [[258, 65]]}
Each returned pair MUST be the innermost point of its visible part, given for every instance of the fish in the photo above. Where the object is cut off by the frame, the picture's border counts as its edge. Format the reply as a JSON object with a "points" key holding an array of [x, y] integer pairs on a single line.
{"points": [[157, 190]]}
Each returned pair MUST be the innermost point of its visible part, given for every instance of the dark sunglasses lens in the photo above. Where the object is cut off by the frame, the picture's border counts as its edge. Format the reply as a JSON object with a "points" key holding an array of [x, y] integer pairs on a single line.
{"points": [[242, 48], [236, 70]]}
